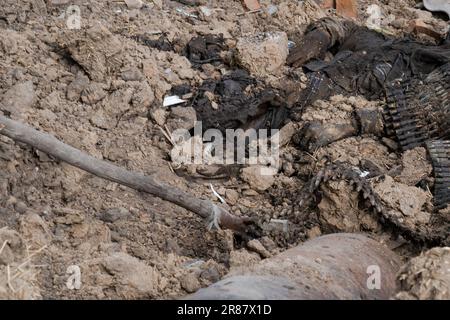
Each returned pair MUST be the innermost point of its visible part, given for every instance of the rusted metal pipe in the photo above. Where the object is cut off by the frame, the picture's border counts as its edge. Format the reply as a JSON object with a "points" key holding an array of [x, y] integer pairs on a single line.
{"points": [[336, 266]]}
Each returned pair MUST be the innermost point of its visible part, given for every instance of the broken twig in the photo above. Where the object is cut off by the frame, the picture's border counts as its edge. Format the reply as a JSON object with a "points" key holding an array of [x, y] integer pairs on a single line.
{"points": [[135, 180]]}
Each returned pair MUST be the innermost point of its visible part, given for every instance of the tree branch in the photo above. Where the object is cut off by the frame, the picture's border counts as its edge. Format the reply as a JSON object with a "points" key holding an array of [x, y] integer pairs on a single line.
{"points": [[135, 180]]}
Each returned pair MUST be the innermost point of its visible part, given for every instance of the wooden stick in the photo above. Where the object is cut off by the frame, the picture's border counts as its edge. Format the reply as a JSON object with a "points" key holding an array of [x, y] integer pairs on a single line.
{"points": [[135, 180]]}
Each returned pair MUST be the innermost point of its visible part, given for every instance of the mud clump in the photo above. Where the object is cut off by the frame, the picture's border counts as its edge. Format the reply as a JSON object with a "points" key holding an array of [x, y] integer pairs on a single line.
{"points": [[97, 51], [263, 54]]}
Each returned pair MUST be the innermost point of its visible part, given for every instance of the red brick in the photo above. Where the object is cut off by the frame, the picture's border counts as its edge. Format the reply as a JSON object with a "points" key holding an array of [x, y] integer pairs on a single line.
{"points": [[347, 8], [252, 5]]}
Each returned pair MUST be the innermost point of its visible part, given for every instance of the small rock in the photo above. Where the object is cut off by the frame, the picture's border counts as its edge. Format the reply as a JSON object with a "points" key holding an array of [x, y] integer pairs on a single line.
{"points": [[256, 246], [93, 94], [99, 120], [252, 5], [76, 87], [250, 193], [114, 214], [232, 196], [143, 97], [190, 283], [314, 232], [268, 243], [391, 144], [277, 225], [257, 179], [159, 115], [58, 2], [132, 74], [181, 118], [134, 4]]}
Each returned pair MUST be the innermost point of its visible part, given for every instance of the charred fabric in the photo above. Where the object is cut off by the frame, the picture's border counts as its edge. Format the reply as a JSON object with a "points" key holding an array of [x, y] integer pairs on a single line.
{"points": [[412, 78]]}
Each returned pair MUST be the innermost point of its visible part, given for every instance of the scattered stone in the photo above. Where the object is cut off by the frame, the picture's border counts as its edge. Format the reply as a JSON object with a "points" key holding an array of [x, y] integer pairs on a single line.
{"points": [[252, 5], [190, 283], [314, 232], [143, 97], [93, 93], [181, 118], [277, 225], [159, 115], [76, 87], [339, 209], [232, 196], [256, 246], [134, 4], [257, 179], [132, 74], [114, 214], [100, 120]]}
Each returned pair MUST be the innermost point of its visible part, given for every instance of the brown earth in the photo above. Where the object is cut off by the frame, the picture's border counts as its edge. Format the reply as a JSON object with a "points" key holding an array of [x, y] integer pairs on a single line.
{"points": [[100, 89]]}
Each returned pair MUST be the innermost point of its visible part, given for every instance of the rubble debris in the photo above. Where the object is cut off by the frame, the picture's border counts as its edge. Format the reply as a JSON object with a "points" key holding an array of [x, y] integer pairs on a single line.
{"points": [[257, 178], [181, 118], [426, 277], [263, 53], [252, 5], [299, 273], [256, 246]]}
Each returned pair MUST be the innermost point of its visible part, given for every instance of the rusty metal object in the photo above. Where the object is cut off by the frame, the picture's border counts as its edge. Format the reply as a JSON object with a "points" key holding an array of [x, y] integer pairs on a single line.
{"points": [[335, 266]]}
